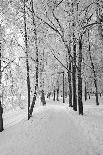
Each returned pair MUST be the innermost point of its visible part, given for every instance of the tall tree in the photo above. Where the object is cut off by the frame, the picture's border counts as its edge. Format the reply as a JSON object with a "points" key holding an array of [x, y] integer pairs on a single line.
{"points": [[95, 77], [27, 62], [57, 89], [1, 108], [74, 78], [74, 58], [80, 103], [63, 89], [37, 59], [36, 44]]}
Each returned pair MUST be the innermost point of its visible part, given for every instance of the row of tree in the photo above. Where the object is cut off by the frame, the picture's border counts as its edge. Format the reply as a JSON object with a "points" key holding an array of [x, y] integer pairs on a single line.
{"points": [[42, 40]]}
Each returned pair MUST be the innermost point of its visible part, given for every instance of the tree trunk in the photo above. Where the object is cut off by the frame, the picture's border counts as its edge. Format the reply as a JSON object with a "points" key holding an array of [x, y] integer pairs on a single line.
{"points": [[63, 90], [85, 92], [95, 78], [36, 44], [54, 94], [89, 96], [57, 94], [27, 62], [57, 91], [96, 91], [80, 103], [69, 74], [33, 103], [49, 95], [70, 86], [74, 78], [99, 20], [43, 98], [1, 108]]}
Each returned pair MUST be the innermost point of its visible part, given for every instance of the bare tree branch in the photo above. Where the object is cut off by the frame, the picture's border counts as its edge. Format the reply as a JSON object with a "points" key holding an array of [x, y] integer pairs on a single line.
{"points": [[57, 20], [51, 26], [88, 25], [59, 3]]}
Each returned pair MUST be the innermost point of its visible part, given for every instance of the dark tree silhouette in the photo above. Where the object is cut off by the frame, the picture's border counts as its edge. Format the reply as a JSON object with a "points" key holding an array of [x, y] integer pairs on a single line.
{"points": [[1, 108]]}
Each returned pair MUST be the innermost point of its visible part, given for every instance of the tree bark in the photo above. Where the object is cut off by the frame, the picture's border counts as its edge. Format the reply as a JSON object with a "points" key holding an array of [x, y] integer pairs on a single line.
{"points": [[33, 103], [57, 94], [63, 90], [95, 78], [37, 60], [74, 78], [69, 74], [1, 108], [27, 62], [89, 96], [54, 94], [57, 91], [99, 20], [70, 85], [36, 44], [80, 103], [43, 98], [85, 92]]}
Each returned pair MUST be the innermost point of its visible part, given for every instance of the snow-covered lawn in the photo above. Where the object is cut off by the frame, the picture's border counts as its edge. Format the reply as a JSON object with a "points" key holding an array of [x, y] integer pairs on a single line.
{"points": [[13, 117], [55, 130]]}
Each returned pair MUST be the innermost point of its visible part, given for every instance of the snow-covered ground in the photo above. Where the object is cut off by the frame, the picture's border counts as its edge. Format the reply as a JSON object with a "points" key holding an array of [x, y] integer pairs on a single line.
{"points": [[12, 117], [55, 129]]}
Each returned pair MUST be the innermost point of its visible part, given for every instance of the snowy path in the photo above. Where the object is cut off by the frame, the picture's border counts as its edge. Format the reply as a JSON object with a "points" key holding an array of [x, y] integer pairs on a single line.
{"points": [[51, 131]]}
